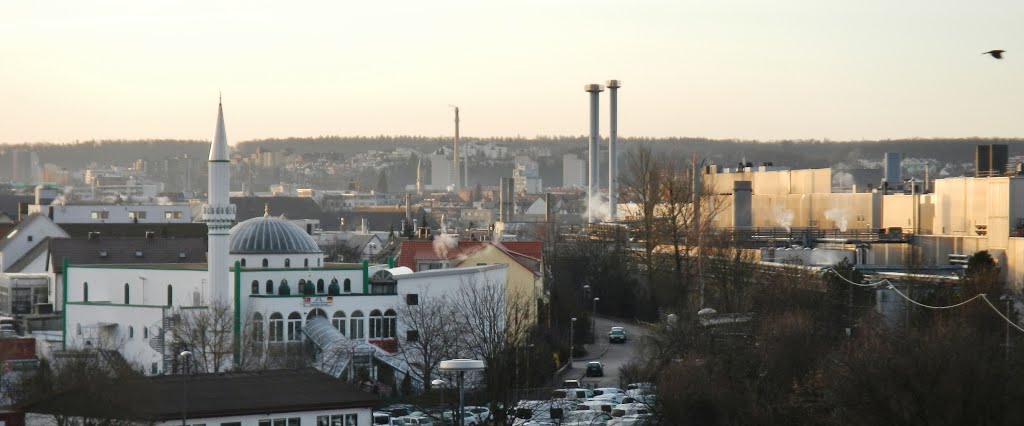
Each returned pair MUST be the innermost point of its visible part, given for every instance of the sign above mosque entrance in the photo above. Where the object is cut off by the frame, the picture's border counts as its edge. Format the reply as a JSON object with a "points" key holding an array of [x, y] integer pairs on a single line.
{"points": [[317, 301]]}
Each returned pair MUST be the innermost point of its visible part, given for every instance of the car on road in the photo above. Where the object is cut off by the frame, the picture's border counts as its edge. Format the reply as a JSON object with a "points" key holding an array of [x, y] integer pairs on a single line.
{"points": [[617, 335], [595, 369]]}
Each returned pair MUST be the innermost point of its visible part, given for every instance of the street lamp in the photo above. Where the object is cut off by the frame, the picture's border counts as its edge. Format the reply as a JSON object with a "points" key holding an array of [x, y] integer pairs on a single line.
{"points": [[184, 356], [572, 327], [593, 321], [462, 366]]}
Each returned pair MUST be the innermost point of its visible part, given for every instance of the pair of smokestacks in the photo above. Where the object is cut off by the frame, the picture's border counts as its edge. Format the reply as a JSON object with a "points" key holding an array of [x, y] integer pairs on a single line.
{"points": [[593, 183]]}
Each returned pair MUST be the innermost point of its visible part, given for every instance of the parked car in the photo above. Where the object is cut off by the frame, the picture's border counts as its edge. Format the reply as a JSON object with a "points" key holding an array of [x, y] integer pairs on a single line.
{"points": [[577, 394], [613, 398], [630, 409], [594, 404], [631, 420], [418, 420], [617, 335], [595, 369], [537, 413], [483, 414], [585, 418], [636, 389], [571, 384], [451, 417], [603, 391]]}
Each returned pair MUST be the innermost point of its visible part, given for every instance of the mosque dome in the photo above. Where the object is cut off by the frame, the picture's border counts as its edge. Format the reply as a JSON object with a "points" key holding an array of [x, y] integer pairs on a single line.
{"points": [[271, 235]]}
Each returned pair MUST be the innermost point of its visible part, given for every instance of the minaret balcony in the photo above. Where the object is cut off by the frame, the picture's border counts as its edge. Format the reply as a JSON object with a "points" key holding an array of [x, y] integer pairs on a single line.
{"points": [[225, 213]]}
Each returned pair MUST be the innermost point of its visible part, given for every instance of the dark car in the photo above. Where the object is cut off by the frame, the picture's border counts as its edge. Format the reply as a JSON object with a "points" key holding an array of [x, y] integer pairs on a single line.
{"points": [[617, 335], [595, 369]]}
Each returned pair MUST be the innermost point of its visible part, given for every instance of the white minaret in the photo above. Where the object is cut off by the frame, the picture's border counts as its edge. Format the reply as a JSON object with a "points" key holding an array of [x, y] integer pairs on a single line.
{"points": [[219, 215]]}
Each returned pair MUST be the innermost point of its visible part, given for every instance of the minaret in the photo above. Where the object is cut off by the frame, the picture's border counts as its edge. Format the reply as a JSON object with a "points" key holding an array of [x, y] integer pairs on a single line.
{"points": [[219, 215], [455, 155]]}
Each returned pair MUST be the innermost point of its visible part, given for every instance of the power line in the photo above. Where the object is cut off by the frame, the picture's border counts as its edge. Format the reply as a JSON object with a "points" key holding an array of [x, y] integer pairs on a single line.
{"points": [[892, 287]]}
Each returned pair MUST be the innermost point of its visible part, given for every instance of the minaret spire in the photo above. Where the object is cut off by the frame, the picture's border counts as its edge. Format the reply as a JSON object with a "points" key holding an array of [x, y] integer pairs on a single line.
{"points": [[219, 214]]}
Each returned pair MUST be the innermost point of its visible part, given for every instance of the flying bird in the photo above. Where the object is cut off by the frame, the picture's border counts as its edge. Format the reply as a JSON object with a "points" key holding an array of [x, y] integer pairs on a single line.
{"points": [[998, 54]]}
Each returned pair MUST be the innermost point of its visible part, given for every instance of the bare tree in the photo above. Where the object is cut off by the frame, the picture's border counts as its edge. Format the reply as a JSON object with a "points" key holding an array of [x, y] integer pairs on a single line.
{"points": [[430, 339], [209, 334]]}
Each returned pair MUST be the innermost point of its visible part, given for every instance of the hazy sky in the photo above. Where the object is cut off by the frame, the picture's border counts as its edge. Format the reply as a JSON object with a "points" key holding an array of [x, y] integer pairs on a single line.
{"points": [[752, 69]]}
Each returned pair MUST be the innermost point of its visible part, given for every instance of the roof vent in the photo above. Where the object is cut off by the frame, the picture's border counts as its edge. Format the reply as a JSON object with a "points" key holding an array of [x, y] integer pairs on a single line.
{"points": [[103, 253], [138, 253]]}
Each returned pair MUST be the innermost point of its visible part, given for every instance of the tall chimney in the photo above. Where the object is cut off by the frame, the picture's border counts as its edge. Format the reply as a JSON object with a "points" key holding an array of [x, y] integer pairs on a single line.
{"points": [[455, 156], [613, 158], [408, 208], [595, 136], [419, 180]]}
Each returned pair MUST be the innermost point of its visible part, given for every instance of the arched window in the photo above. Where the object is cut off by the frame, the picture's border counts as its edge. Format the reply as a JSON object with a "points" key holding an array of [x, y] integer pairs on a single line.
{"points": [[131, 332], [196, 298], [306, 287], [390, 324], [266, 263], [305, 263], [287, 263], [284, 289], [339, 321], [127, 291], [257, 326], [270, 286], [376, 324], [276, 327], [334, 289], [315, 313], [294, 327], [356, 324], [243, 262], [348, 285], [170, 295], [85, 291], [255, 287], [318, 262], [320, 286]]}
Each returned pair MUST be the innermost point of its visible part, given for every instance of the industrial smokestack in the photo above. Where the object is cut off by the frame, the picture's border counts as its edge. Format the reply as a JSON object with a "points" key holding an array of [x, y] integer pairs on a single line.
{"points": [[595, 136], [613, 159], [455, 156], [419, 176], [408, 208]]}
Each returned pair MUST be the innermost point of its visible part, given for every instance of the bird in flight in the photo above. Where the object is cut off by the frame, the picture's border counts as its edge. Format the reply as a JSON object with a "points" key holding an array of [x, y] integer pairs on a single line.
{"points": [[998, 54]]}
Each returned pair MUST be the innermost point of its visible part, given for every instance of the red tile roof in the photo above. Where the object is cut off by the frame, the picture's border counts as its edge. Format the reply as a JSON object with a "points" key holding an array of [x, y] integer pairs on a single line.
{"points": [[413, 251], [534, 249]]}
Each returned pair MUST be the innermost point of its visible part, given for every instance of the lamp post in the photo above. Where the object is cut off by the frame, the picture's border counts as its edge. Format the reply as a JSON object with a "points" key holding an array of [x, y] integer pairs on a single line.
{"points": [[572, 343], [184, 356], [593, 321], [461, 366], [438, 383]]}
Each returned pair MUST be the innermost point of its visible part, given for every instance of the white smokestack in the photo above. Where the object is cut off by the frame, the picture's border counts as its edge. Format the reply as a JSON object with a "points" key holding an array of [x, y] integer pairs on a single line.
{"points": [[595, 136], [613, 136]]}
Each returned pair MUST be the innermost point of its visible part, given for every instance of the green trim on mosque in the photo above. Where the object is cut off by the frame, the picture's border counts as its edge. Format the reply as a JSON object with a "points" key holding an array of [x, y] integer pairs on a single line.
{"points": [[366, 276], [238, 312], [299, 296], [152, 266], [301, 269], [64, 307], [110, 304]]}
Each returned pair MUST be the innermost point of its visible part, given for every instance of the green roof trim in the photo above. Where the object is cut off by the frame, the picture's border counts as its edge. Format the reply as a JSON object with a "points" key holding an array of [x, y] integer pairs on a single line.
{"points": [[238, 313]]}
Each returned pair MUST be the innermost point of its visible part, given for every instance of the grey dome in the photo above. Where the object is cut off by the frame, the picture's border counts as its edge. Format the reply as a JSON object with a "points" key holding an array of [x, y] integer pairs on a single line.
{"points": [[271, 235]]}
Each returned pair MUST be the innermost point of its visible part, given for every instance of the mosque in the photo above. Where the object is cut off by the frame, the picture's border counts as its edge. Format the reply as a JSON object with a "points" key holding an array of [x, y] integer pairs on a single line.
{"points": [[268, 275]]}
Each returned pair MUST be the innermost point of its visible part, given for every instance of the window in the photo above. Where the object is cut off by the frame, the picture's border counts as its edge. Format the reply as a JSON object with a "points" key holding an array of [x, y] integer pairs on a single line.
{"points": [[412, 299], [287, 263], [390, 324], [348, 285], [255, 287], [170, 295], [266, 263], [270, 286], [100, 215], [276, 327], [85, 291], [284, 289], [428, 265], [30, 238], [131, 332], [126, 293], [316, 313], [145, 332], [293, 421], [305, 263], [334, 289], [412, 335], [137, 215], [231, 424], [340, 420], [243, 262], [294, 327], [197, 300], [356, 324], [306, 287], [320, 286], [257, 326], [376, 324], [339, 321], [172, 215]]}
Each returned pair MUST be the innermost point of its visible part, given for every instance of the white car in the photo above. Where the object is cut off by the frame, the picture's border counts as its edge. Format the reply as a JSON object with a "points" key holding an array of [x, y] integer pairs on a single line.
{"points": [[613, 398], [602, 391], [631, 420], [585, 418], [577, 394], [637, 389], [593, 404], [418, 420], [623, 410], [482, 414]]}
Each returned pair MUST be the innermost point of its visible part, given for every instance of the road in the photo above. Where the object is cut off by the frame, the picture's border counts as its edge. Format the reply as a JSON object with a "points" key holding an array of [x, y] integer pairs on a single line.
{"points": [[613, 356]]}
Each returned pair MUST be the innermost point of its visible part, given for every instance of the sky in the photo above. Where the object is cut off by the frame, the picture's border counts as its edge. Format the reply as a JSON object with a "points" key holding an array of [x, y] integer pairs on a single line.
{"points": [[749, 69]]}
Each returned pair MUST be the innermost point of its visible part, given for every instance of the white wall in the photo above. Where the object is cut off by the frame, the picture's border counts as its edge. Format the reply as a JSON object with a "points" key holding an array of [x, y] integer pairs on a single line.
{"points": [[18, 242], [128, 336], [82, 213], [308, 418]]}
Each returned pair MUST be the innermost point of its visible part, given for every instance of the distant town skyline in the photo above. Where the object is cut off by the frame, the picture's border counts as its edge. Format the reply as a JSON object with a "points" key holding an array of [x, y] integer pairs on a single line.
{"points": [[84, 70]]}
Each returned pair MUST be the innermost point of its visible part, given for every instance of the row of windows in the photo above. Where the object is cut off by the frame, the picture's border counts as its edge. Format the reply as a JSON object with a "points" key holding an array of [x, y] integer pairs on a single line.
{"points": [[287, 263], [305, 287], [335, 420], [103, 214], [131, 332], [382, 325], [128, 293]]}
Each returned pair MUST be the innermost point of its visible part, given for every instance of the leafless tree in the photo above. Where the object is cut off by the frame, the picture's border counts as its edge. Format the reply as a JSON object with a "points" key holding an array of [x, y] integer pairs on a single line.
{"points": [[432, 339], [209, 334]]}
